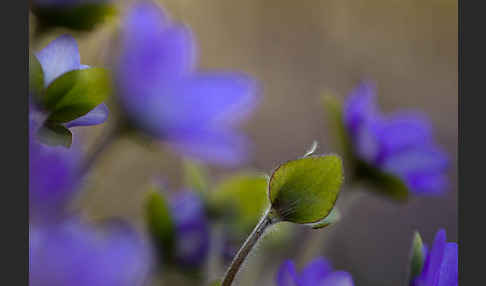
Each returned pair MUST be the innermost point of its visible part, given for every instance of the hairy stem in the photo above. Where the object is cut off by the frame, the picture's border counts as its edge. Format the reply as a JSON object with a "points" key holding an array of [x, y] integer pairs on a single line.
{"points": [[100, 147], [250, 242]]}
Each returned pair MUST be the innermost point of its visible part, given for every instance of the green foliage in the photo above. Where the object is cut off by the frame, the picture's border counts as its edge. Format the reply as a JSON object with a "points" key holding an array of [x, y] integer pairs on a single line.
{"points": [[417, 257], [36, 77], [241, 199], [75, 93], [195, 176], [160, 223], [78, 17], [55, 135], [305, 190]]}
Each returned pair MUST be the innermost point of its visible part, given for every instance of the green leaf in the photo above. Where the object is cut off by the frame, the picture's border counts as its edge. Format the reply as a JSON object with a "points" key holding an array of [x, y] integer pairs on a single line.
{"points": [[77, 17], [55, 135], [195, 176], [241, 199], [381, 182], [76, 93], [305, 190], [36, 77], [332, 218], [160, 223], [417, 256]]}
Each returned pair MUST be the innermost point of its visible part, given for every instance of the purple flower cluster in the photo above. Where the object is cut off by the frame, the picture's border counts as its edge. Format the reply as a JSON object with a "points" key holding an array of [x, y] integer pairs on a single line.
{"points": [[57, 58], [159, 89], [441, 264], [318, 272], [400, 144], [62, 250]]}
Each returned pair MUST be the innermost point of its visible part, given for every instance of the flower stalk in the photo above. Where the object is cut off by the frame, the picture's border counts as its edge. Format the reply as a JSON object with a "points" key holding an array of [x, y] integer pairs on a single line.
{"points": [[267, 220], [104, 143]]}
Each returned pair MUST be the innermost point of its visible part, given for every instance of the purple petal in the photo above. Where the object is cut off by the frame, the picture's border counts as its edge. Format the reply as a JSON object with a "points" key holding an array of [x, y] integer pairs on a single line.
{"points": [[201, 102], [448, 274], [71, 253], [192, 228], [287, 275], [219, 147], [360, 106], [98, 115], [125, 256], [53, 176], [336, 278], [425, 183], [59, 57], [367, 144], [192, 244], [153, 52], [401, 132], [216, 99], [314, 272], [433, 261], [422, 168]]}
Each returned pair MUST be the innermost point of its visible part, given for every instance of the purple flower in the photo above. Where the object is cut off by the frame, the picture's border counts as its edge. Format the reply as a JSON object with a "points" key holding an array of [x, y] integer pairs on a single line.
{"points": [[441, 264], [400, 144], [76, 254], [59, 57], [53, 175], [318, 272], [194, 112], [191, 229]]}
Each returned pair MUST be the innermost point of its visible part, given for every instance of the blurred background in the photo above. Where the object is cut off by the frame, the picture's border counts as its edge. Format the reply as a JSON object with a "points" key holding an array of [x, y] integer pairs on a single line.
{"points": [[298, 50]]}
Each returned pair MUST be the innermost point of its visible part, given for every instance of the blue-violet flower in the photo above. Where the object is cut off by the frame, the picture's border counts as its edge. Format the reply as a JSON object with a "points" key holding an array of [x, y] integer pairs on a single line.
{"points": [[57, 58], [194, 112], [318, 272], [191, 228], [441, 264], [76, 254], [400, 144]]}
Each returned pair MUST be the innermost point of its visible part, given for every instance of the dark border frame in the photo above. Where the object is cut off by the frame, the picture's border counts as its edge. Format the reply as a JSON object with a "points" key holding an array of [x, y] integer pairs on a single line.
{"points": [[14, 213], [14, 23], [472, 62]]}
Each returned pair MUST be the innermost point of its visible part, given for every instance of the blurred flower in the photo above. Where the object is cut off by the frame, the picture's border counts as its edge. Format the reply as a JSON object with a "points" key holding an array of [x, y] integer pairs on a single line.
{"points": [[53, 175], [57, 58], [441, 264], [401, 144], [191, 229], [163, 95], [318, 272], [73, 253]]}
